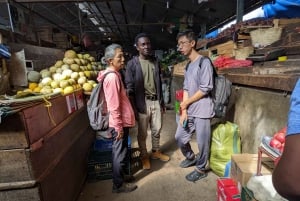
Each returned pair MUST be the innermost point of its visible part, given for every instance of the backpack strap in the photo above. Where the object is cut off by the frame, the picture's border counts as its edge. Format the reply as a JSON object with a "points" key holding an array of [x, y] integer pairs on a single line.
{"points": [[100, 85], [215, 74], [187, 65]]}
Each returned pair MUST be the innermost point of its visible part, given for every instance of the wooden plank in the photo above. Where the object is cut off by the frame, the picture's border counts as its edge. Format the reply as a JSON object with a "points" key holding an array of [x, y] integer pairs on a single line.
{"points": [[50, 116], [289, 49], [65, 181], [225, 49], [276, 82], [17, 185], [284, 22], [25, 194], [15, 166], [43, 157], [25, 128]]}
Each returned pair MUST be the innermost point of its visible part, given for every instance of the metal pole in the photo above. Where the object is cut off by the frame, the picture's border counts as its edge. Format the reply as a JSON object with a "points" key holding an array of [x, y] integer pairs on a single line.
{"points": [[10, 18], [80, 24], [239, 10]]}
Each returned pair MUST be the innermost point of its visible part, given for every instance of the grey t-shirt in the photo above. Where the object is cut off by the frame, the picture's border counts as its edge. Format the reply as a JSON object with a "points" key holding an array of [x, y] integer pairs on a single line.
{"points": [[200, 78]]}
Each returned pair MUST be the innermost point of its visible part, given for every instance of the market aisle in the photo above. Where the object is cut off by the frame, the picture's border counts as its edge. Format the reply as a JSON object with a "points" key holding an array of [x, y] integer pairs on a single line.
{"points": [[164, 182]]}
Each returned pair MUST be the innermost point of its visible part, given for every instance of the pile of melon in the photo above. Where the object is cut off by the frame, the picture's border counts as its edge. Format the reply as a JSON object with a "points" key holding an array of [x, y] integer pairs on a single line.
{"points": [[75, 71]]}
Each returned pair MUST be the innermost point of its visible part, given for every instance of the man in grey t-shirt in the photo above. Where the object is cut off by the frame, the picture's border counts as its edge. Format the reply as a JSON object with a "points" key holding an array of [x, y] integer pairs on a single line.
{"points": [[196, 108]]}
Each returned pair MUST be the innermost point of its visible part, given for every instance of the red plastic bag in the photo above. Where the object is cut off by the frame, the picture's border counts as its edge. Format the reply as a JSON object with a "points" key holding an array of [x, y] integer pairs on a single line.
{"points": [[179, 95]]}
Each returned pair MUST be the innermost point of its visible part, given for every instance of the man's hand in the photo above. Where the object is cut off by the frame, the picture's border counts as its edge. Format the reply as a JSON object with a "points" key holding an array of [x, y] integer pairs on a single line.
{"points": [[184, 105], [183, 117]]}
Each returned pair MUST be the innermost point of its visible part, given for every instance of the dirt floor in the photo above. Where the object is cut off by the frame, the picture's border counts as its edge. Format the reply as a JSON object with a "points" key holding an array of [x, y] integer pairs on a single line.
{"points": [[164, 182]]}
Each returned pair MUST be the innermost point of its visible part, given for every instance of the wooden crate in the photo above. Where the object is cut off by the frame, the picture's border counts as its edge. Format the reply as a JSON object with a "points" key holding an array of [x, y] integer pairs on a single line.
{"points": [[33, 123], [43, 157], [57, 157], [284, 22], [45, 33], [223, 49], [34, 163], [179, 68]]}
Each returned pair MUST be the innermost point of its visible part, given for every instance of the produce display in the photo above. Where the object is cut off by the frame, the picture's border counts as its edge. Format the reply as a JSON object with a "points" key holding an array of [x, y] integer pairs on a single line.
{"points": [[74, 71], [278, 140]]}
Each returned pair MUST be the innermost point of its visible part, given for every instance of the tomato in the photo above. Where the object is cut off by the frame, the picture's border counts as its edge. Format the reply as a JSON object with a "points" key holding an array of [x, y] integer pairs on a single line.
{"points": [[275, 143], [280, 137], [283, 130]]}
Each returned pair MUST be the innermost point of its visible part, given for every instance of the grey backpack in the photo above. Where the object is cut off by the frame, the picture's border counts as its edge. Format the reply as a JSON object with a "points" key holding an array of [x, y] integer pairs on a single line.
{"points": [[221, 91], [97, 109]]}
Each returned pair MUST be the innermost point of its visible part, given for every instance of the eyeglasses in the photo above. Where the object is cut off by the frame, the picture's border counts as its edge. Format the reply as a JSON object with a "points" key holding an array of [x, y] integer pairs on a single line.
{"points": [[181, 43]]}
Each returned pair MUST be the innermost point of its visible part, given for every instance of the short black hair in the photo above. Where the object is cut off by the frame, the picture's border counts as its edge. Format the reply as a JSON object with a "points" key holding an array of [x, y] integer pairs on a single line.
{"points": [[189, 34], [140, 35]]}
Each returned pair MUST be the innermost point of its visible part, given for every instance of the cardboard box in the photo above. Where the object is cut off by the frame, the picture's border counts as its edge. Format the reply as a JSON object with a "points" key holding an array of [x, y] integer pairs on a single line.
{"points": [[244, 166], [247, 195], [227, 190]]}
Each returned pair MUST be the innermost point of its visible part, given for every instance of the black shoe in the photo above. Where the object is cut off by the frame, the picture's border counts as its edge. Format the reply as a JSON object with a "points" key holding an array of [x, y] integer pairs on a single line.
{"points": [[129, 178], [125, 188], [195, 175], [187, 163]]}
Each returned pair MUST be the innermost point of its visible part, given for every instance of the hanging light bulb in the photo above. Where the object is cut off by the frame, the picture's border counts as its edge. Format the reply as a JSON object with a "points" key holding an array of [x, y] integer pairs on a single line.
{"points": [[168, 6]]}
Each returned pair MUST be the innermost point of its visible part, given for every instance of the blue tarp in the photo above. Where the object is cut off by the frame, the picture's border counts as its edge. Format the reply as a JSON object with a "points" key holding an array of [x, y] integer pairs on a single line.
{"points": [[212, 34], [282, 9]]}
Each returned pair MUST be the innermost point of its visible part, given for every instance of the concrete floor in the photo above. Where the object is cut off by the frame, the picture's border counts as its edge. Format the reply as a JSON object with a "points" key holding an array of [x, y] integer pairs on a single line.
{"points": [[164, 182]]}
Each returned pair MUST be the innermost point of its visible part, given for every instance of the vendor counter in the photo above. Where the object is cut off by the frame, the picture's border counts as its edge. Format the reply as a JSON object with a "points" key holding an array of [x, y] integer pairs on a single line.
{"points": [[44, 149]]}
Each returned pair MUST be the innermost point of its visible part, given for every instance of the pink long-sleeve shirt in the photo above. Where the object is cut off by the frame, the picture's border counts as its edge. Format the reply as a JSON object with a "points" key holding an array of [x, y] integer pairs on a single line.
{"points": [[118, 104]]}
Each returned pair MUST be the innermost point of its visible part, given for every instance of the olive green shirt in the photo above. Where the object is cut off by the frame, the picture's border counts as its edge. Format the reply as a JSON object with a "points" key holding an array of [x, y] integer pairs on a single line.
{"points": [[147, 69]]}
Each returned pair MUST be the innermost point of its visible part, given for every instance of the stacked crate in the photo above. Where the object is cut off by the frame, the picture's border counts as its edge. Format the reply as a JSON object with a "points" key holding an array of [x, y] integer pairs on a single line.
{"points": [[43, 147], [61, 40], [100, 160], [45, 33]]}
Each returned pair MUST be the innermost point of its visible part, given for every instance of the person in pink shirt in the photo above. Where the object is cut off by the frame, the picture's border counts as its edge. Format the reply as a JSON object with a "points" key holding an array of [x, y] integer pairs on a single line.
{"points": [[121, 115]]}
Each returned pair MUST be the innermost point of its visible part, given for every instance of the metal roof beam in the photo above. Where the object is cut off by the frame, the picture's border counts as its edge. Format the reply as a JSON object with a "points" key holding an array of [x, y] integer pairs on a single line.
{"points": [[115, 19], [45, 18], [126, 19], [49, 1]]}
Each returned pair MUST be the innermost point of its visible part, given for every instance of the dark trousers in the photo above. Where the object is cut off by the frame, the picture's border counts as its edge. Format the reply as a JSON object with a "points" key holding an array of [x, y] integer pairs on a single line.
{"points": [[183, 137], [119, 152]]}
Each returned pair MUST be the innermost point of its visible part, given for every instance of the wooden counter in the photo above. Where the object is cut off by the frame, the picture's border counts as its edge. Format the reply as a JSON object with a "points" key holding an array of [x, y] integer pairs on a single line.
{"points": [[270, 75], [43, 153]]}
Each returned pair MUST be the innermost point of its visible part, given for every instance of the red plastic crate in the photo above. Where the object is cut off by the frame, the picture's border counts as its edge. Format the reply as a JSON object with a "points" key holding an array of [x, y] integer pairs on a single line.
{"points": [[228, 190]]}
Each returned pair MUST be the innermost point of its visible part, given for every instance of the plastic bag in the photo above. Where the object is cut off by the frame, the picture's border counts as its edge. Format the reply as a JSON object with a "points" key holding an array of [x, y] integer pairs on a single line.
{"points": [[225, 142]]}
